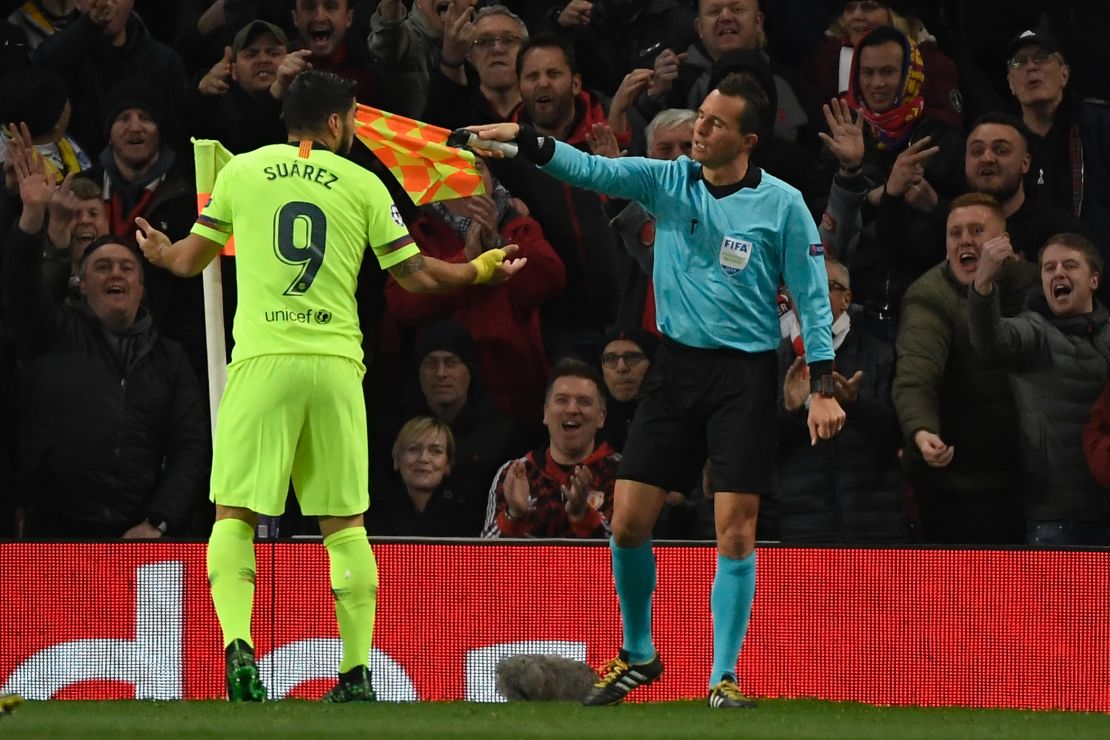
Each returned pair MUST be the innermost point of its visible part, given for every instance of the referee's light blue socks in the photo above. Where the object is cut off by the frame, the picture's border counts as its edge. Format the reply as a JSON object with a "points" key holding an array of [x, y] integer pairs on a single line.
{"points": [[634, 578], [731, 602]]}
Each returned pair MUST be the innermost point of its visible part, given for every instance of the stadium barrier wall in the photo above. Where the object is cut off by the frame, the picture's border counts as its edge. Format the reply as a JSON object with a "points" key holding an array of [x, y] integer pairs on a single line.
{"points": [[977, 628]]}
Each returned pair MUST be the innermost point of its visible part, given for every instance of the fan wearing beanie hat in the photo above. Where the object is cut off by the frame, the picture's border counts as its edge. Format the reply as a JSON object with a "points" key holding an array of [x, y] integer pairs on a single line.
{"points": [[625, 358], [451, 389], [136, 162], [445, 356], [40, 98], [135, 93]]}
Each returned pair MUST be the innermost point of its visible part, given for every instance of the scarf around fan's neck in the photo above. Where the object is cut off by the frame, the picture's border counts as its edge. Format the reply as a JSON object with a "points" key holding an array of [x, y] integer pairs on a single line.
{"points": [[461, 224], [891, 128]]}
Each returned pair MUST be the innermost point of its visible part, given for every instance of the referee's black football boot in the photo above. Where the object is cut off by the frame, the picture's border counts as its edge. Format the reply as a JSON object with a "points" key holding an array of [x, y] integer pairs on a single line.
{"points": [[354, 685], [726, 695], [620, 677], [243, 683]]}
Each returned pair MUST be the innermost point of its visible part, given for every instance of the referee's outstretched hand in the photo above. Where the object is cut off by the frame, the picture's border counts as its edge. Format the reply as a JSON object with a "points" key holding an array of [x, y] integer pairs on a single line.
{"points": [[495, 132], [826, 418]]}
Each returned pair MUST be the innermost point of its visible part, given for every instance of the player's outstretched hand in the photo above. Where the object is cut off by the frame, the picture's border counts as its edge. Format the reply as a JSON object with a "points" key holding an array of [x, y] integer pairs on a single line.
{"points": [[495, 132], [152, 241], [507, 267], [826, 418]]}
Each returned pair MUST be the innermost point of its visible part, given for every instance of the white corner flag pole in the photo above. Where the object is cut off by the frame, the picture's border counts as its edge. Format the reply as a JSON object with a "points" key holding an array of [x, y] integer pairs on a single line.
{"points": [[216, 347]]}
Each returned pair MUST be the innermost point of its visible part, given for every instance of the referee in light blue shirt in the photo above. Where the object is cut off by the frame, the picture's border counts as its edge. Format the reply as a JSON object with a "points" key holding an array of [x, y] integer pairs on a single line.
{"points": [[727, 236]]}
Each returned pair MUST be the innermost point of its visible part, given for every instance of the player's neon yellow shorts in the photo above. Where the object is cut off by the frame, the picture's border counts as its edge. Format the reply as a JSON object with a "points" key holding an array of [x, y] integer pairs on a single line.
{"points": [[292, 415]]}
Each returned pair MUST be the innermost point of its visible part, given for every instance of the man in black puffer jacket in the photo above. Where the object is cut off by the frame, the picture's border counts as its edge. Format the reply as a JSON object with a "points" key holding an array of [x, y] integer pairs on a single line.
{"points": [[113, 435], [849, 489]]}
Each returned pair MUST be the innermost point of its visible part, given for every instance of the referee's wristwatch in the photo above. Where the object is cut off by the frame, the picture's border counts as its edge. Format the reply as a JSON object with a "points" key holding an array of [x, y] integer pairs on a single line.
{"points": [[825, 385]]}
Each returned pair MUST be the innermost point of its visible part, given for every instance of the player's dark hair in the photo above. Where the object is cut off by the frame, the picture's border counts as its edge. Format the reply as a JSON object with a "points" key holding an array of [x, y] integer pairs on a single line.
{"points": [[757, 106], [1080, 244], [572, 367], [547, 40], [313, 97]]}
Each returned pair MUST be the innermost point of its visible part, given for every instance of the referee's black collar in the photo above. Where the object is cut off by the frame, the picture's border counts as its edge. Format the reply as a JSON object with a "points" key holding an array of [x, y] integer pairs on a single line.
{"points": [[751, 179]]}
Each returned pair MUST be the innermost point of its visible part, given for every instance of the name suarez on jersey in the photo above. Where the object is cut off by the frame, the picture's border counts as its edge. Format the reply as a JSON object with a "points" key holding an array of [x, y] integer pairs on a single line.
{"points": [[302, 170]]}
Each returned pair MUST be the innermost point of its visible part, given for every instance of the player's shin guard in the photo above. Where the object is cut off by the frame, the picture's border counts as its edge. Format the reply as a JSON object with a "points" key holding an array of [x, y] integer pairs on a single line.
{"points": [[354, 583], [731, 602], [634, 578], [231, 574]]}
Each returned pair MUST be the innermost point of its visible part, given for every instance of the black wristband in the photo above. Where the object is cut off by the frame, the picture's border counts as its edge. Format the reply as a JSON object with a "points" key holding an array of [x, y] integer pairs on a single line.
{"points": [[535, 147], [825, 385], [820, 368]]}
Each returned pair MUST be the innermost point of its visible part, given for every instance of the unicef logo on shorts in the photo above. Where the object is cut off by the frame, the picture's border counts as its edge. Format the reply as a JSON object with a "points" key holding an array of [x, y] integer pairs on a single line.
{"points": [[734, 255], [323, 316]]}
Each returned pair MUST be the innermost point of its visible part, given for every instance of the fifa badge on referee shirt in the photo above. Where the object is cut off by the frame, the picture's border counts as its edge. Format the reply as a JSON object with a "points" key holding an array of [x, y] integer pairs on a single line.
{"points": [[734, 255]]}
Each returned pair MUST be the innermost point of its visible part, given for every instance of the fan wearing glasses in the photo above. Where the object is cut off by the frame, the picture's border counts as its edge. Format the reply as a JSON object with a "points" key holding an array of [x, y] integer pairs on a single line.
{"points": [[1068, 148], [483, 43], [625, 360]]}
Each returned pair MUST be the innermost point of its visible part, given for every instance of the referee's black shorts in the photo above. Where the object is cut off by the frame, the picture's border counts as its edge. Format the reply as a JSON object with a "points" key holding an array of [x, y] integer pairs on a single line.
{"points": [[698, 403]]}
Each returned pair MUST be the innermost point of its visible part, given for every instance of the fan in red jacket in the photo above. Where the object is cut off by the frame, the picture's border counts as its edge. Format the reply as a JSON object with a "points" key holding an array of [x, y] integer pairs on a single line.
{"points": [[504, 319], [1096, 439], [566, 488]]}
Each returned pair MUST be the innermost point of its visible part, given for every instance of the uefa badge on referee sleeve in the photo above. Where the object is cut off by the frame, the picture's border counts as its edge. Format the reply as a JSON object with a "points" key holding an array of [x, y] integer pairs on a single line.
{"points": [[734, 255]]}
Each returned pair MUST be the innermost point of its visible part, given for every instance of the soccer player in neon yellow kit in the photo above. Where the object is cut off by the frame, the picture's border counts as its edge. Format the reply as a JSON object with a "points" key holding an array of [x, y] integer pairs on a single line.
{"points": [[302, 217]]}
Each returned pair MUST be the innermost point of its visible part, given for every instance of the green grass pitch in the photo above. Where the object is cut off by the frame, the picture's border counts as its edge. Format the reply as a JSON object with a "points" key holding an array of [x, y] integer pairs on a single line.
{"points": [[307, 720]]}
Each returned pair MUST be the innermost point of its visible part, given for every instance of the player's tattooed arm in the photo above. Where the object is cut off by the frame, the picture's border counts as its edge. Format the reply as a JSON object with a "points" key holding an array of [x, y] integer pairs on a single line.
{"points": [[423, 274], [411, 266]]}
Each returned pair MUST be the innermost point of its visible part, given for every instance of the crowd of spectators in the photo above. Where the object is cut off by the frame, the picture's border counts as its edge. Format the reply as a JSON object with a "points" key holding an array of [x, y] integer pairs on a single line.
{"points": [[953, 154]]}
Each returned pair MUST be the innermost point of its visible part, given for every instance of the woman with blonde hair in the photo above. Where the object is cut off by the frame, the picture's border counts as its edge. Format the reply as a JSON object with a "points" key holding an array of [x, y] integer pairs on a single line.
{"points": [[418, 500]]}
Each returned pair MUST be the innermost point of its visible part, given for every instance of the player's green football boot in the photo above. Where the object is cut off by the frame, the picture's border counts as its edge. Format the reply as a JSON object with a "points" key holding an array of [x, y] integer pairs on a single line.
{"points": [[621, 677], [243, 683], [354, 685], [726, 695]]}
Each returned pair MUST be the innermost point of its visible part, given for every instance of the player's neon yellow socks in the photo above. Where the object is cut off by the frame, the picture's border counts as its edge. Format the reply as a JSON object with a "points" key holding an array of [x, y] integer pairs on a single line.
{"points": [[231, 574], [354, 583]]}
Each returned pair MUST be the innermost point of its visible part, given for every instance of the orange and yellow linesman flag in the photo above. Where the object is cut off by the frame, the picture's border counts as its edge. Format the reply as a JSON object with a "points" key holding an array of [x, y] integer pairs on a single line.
{"points": [[210, 157], [418, 156]]}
